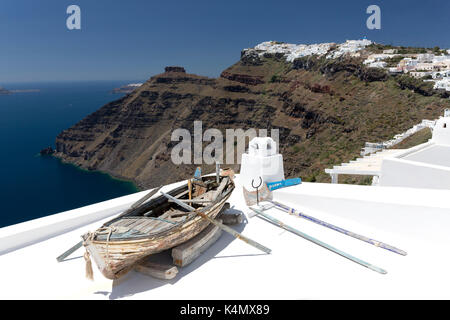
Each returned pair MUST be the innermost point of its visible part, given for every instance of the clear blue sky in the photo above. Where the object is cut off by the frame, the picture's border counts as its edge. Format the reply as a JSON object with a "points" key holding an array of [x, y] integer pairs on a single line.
{"points": [[135, 39]]}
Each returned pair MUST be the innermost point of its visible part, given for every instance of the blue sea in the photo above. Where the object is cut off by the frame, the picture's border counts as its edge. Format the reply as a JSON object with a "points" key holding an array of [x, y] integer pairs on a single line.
{"points": [[33, 186]]}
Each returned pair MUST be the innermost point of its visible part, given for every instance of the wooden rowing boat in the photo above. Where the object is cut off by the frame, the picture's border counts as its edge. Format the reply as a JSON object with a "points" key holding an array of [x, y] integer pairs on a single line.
{"points": [[156, 225]]}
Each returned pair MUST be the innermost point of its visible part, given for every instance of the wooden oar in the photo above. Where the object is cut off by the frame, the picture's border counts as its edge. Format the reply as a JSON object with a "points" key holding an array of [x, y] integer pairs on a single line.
{"points": [[297, 213], [250, 200], [282, 225], [193, 200], [70, 251], [133, 207], [220, 225], [144, 198]]}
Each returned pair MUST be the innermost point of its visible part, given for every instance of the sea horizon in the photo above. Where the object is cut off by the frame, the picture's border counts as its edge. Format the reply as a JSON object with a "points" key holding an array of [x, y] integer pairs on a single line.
{"points": [[30, 122]]}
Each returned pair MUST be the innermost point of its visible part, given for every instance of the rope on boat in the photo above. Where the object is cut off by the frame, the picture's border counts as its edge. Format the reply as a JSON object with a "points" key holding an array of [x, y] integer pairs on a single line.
{"points": [[103, 230], [87, 256], [89, 272]]}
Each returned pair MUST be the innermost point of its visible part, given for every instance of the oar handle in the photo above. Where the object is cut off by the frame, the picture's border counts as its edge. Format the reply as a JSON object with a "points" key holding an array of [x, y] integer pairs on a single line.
{"points": [[70, 251]]}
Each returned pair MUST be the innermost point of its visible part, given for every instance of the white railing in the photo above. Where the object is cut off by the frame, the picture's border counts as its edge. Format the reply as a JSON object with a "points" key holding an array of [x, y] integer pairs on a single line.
{"points": [[371, 147]]}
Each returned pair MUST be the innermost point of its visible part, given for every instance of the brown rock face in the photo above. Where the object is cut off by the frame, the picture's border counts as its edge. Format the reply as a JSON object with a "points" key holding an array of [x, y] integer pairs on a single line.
{"points": [[242, 78], [324, 111]]}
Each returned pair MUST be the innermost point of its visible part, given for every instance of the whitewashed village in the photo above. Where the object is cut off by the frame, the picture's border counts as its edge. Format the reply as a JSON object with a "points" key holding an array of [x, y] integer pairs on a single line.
{"points": [[433, 67], [430, 65], [294, 51]]}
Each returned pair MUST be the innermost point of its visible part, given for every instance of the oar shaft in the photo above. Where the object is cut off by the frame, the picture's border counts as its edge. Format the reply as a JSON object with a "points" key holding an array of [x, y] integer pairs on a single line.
{"points": [[70, 251], [144, 198], [235, 233], [280, 224], [220, 225], [336, 228]]}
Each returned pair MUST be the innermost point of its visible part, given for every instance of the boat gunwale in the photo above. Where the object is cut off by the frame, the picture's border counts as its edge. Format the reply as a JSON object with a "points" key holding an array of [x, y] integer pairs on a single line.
{"points": [[144, 238]]}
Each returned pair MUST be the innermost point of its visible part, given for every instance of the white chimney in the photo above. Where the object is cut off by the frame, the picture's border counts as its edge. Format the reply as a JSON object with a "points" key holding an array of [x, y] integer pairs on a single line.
{"points": [[261, 161]]}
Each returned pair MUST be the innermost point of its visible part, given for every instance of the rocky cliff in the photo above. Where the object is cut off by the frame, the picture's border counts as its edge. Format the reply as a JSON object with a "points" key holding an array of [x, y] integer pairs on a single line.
{"points": [[325, 109], [4, 91]]}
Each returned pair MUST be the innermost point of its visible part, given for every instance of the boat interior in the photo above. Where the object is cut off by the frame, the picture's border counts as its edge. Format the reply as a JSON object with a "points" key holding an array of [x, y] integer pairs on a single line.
{"points": [[160, 215]]}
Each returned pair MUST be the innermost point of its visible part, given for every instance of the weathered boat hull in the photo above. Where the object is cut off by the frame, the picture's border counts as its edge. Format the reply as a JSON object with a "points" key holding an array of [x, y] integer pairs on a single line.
{"points": [[115, 258]]}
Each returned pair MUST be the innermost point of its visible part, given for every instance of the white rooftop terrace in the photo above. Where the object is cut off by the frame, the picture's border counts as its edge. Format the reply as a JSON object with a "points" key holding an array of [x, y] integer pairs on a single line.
{"points": [[424, 166], [415, 220]]}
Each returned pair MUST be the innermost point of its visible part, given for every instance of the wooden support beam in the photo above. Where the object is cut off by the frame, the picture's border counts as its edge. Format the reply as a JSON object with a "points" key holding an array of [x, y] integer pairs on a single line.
{"points": [[187, 252], [157, 270]]}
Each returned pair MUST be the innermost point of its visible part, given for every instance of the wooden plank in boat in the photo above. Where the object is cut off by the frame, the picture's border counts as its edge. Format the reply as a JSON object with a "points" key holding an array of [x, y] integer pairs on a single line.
{"points": [[182, 194], [120, 223], [162, 226], [150, 226], [137, 223], [158, 224], [175, 213], [143, 224], [177, 219], [219, 189], [206, 196], [187, 252], [157, 270], [126, 222]]}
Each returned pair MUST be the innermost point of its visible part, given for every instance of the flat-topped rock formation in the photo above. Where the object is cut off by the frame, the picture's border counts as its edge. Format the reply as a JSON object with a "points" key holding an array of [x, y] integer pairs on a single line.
{"points": [[175, 69], [4, 91]]}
